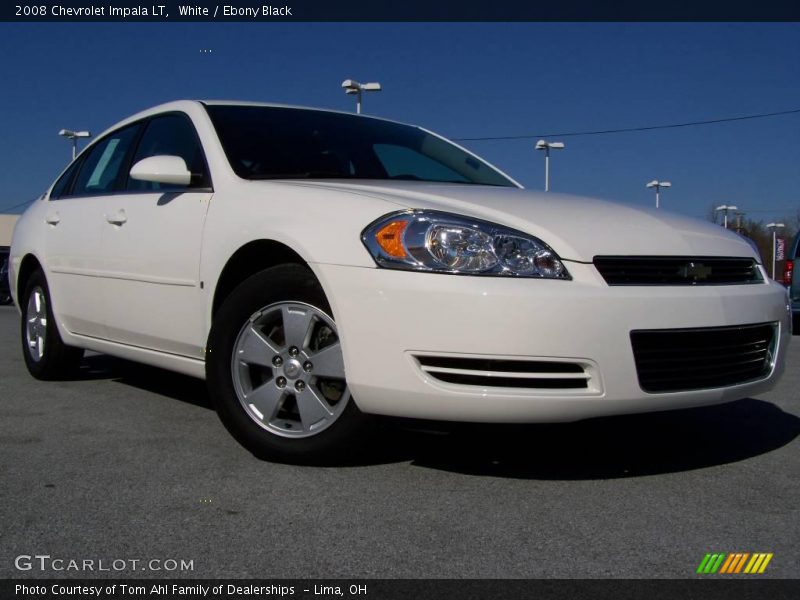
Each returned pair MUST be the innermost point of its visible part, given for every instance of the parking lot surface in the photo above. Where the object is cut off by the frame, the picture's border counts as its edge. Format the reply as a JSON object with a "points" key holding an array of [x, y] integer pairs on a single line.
{"points": [[131, 462]]}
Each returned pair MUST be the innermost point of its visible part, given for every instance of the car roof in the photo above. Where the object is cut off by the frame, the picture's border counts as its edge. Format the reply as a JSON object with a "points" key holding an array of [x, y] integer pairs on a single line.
{"points": [[278, 105]]}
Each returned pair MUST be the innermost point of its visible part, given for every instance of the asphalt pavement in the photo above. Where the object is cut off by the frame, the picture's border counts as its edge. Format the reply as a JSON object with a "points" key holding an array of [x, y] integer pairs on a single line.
{"points": [[129, 462]]}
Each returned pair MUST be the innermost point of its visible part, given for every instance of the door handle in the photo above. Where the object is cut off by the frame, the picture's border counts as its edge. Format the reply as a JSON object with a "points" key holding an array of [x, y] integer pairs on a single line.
{"points": [[118, 218], [53, 219]]}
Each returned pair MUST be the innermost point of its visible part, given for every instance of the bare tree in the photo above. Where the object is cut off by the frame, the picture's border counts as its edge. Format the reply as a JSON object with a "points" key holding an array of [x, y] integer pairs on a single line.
{"points": [[713, 214]]}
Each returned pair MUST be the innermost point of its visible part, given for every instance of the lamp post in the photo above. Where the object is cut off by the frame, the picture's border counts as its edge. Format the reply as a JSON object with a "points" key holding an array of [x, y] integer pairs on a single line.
{"points": [[774, 227], [658, 185], [547, 146], [354, 87], [725, 208], [74, 135]]}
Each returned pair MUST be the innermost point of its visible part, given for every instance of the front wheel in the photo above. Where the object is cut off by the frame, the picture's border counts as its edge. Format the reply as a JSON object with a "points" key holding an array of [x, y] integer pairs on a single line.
{"points": [[275, 370]]}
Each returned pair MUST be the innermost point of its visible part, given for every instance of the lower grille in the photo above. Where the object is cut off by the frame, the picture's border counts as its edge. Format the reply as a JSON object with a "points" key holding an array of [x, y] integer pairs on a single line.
{"points": [[677, 270], [672, 360], [485, 372]]}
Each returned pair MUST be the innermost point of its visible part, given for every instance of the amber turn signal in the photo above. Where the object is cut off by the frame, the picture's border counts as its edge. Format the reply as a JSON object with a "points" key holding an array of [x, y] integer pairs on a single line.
{"points": [[390, 238]]}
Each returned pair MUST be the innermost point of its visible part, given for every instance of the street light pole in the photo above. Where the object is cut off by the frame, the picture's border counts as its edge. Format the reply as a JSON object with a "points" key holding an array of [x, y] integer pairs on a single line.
{"points": [[658, 185], [725, 208], [354, 87], [74, 135], [546, 146], [547, 169], [774, 227]]}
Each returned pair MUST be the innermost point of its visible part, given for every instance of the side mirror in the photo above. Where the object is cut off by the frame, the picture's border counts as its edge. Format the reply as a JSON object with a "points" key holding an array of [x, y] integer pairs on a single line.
{"points": [[167, 169]]}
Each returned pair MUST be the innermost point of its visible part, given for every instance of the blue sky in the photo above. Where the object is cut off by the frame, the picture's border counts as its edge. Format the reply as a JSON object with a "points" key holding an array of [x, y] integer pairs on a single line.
{"points": [[461, 80]]}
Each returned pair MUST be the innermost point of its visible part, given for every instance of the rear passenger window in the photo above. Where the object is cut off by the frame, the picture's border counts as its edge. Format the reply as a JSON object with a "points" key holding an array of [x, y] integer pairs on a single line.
{"points": [[171, 135], [101, 167]]}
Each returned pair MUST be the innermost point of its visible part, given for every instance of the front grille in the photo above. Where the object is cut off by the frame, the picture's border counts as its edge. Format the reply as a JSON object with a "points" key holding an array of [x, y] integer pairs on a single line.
{"points": [[487, 372], [677, 270], [672, 360]]}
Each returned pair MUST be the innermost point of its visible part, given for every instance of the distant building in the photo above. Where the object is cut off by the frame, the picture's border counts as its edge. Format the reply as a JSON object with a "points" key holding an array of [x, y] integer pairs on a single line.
{"points": [[7, 228]]}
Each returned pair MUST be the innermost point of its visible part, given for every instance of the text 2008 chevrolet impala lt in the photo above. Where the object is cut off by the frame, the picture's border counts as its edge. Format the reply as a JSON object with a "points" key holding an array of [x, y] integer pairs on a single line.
{"points": [[317, 267]]}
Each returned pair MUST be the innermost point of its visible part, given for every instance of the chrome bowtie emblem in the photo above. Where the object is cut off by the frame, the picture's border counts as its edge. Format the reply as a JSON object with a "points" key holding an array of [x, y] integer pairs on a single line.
{"points": [[695, 271]]}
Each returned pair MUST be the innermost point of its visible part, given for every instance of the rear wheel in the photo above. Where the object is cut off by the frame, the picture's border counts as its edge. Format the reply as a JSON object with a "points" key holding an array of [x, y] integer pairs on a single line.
{"points": [[46, 355], [275, 369]]}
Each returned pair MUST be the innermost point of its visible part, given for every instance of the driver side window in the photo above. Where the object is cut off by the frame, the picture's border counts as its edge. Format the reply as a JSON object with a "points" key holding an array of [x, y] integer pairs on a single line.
{"points": [[174, 135]]}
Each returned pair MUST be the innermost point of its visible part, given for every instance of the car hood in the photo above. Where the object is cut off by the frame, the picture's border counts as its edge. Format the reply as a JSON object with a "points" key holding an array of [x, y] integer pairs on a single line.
{"points": [[577, 228]]}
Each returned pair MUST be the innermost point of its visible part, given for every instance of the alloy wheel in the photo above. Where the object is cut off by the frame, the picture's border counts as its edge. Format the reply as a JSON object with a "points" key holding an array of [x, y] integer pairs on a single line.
{"points": [[288, 370], [36, 323]]}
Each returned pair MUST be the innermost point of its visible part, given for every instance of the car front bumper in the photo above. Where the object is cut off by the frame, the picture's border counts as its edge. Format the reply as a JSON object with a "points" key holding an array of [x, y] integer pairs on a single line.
{"points": [[386, 318]]}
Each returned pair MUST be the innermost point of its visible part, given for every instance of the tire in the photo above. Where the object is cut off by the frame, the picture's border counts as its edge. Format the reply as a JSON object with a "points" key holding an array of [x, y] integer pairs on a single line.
{"points": [[262, 378], [46, 355]]}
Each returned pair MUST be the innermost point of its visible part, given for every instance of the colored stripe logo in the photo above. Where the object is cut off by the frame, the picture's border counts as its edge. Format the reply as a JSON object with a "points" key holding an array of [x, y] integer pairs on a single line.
{"points": [[734, 563]]}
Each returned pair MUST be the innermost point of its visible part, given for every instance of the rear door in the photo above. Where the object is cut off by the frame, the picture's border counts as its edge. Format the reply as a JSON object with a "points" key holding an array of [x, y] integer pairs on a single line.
{"points": [[75, 218], [152, 247]]}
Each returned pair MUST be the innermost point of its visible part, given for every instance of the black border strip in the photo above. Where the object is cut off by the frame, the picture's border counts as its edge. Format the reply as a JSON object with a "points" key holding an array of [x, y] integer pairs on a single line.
{"points": [[712, 587], [410, 11]]}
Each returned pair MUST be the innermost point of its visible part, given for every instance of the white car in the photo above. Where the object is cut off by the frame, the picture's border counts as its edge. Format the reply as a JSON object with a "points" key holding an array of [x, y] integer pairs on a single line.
{"points": [[317, 267]]}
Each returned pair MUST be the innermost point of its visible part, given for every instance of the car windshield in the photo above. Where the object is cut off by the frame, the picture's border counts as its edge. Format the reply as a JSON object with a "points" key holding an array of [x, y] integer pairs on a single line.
{"points": [[264, 142]]}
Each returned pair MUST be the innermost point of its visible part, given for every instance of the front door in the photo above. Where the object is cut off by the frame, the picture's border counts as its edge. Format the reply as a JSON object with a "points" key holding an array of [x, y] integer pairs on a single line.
{"points": [[152, 246]]}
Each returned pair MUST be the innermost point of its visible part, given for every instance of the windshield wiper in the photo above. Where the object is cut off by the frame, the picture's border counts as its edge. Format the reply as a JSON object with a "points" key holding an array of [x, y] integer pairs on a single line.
{"points": [[334, 175]]}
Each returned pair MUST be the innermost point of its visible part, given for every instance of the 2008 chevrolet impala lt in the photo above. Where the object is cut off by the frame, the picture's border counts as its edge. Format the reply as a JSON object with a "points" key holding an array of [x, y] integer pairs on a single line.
{"points": [[317, 268]]}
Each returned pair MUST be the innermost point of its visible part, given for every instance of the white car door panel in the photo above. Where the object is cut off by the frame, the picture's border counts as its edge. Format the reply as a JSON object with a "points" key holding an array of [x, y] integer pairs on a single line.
{"points": [[75, 263], [151, 284], [151, 242]]}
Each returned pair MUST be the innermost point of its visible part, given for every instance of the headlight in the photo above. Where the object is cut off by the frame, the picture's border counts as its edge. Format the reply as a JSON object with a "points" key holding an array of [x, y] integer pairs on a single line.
{"points": [[426, 240]]}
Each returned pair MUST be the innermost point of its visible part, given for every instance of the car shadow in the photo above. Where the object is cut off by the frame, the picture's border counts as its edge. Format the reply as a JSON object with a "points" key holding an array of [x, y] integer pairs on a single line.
{"points": [[613, 447], [603, 448], [144, 377]]}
